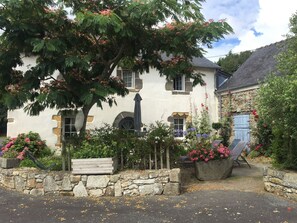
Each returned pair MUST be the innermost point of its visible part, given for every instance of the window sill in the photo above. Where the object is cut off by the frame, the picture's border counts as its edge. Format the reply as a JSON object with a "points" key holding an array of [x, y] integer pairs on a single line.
{"points": [[133, 90], [180, 92]]}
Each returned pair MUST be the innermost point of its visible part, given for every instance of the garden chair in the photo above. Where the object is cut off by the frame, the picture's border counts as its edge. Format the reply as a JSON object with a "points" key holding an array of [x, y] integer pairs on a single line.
{"points": [[236, 153], [216, 143], [38, 163], [234, 143]]}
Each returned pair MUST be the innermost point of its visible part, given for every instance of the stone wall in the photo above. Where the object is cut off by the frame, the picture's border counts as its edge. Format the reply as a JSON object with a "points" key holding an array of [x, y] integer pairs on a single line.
{"points": [[238, 102], [126, 183], [283, 183], [235, 103]]}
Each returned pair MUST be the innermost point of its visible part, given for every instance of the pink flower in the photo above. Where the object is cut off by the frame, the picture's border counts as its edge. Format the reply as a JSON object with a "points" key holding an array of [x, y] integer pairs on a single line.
{"points": [[103, 42], [205, 24], [20, 156], [27, 140], [206, 159], [106, 12], [169, 26], [8, 145]]}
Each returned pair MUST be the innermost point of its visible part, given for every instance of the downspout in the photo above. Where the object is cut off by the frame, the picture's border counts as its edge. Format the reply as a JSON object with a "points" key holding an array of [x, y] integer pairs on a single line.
{"points": [[219, 96]]}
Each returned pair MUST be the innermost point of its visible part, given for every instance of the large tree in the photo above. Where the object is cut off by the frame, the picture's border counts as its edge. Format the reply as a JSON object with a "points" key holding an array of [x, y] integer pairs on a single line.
{"points": [[232, 61], [86, 45]]}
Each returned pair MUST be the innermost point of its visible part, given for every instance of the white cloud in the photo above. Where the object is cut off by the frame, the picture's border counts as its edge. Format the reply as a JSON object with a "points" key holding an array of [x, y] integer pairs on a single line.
{"points": [[268, 17]]}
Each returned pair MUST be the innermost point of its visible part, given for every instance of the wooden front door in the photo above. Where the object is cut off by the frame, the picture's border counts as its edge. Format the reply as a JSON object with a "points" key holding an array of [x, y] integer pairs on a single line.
{"points": [[242, 127]]}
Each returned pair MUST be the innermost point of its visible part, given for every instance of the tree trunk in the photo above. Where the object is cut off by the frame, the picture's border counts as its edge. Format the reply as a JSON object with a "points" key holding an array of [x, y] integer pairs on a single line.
{"points": [[86, 109]]}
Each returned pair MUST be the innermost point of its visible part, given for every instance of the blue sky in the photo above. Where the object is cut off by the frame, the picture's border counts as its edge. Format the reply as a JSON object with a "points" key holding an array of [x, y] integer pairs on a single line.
{"points": [[256, 23]]}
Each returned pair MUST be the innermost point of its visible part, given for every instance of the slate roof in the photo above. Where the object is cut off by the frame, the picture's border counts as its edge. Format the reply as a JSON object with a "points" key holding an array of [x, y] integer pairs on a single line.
{"points": [[205, 63], [199, 62], [261, 63]]}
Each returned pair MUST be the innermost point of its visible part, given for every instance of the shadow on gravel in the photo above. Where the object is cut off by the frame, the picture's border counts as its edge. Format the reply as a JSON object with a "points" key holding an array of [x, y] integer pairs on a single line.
{"points": [[243, 178]]}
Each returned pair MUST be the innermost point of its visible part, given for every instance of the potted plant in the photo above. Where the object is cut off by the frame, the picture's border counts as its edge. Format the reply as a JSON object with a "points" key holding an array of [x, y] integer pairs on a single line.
{"points": [[9, 160], [211, 163]]}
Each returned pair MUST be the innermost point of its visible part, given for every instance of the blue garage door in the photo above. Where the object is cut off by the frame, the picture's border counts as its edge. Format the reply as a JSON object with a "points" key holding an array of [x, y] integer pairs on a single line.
{"points": [[242, 127]]}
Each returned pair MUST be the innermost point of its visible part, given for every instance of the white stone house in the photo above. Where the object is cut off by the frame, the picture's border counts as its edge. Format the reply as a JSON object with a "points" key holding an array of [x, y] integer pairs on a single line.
{"points": [[171, 101]]}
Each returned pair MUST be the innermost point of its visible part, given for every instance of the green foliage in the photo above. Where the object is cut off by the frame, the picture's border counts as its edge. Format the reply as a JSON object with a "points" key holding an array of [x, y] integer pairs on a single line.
{"points": [[278, 104], [92, 149], [193, 138], [201, 122], [254, 154], [46, 161], [3, 118], [216, 125], [133, 150], [160, 133], [263, 135], [277, 100], [10, 154], [99, 143], [226, 129], [86, 48], [233, 61]]}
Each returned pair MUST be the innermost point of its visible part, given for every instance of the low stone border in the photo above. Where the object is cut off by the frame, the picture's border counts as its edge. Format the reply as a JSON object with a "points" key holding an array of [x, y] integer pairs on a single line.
{"points": [[283, 183], [126, 183]]}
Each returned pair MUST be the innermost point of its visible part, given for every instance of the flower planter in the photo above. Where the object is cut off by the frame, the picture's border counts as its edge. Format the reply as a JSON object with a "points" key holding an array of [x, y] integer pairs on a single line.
{"points": [[8, 163], [94, 166], [214, 169]]}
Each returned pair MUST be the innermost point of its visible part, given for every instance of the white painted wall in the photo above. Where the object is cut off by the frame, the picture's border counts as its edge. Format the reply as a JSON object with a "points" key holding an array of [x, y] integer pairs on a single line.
{"points": [[23, 123], [157, 105]]}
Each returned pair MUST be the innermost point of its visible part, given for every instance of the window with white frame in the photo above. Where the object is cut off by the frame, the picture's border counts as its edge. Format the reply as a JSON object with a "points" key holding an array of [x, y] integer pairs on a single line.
{"points": [[129, 78], [179, 83], [178, 126], [69, 126]]}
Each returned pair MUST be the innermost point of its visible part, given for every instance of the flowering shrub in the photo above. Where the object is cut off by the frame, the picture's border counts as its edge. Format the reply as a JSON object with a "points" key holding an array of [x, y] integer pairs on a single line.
{"points": [[263, 135], [193, 137], [206, 154], [16, 147]]}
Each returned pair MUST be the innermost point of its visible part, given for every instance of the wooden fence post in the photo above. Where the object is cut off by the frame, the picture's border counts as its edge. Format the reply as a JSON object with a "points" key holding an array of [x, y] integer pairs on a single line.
{"points": [[161, 157], [156, 161], [167, 157]]}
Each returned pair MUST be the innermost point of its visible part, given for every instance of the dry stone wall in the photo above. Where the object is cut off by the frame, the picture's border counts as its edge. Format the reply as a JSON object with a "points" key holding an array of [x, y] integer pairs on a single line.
{"points": [[283, 183], [126, 183], [239, 103]]}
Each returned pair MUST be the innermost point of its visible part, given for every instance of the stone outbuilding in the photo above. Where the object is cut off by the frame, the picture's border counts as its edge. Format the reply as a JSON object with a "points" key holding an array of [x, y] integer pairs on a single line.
{"points": [[237, 95]]}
